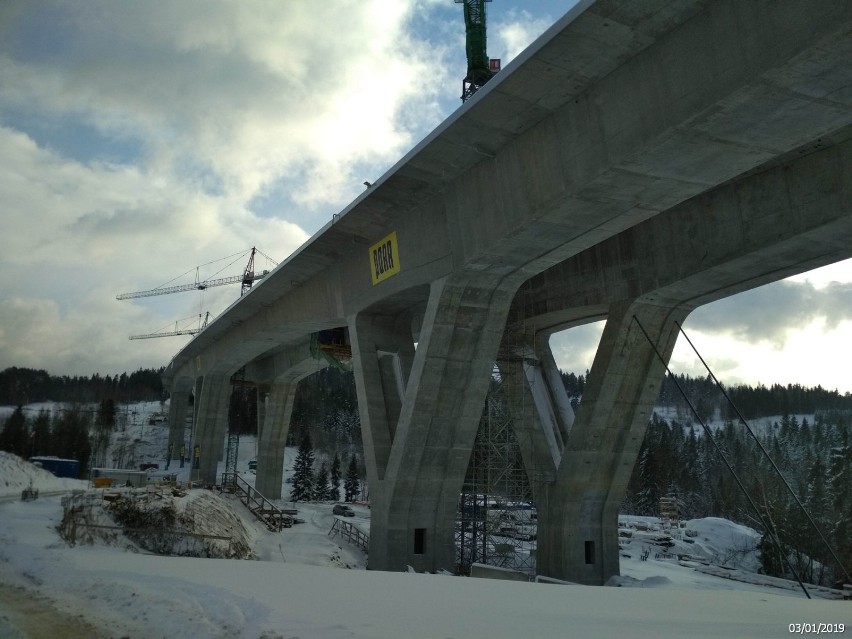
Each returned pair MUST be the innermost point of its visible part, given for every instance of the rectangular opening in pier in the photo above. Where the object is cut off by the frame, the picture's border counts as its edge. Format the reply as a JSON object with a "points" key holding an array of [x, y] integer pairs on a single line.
{"points": [[419, 541], [590, 552]]}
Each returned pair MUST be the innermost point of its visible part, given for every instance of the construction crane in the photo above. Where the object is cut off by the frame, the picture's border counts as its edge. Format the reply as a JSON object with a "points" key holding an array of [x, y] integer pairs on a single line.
{"points": [[247, 279], [480, 68], [176, 332]]}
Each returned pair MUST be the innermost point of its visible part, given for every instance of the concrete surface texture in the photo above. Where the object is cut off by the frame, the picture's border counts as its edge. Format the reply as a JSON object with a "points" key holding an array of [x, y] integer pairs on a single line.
{"points": [[639, 159]]}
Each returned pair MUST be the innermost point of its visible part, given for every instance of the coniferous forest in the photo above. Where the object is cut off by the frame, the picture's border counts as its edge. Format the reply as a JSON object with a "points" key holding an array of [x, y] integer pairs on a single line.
{"points": [[807, 436], [28, 386], [790, 469], [82, 428]]}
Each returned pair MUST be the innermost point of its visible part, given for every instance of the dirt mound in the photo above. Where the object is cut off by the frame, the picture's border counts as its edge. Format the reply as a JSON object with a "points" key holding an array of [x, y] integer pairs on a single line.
{"points": [[165, 522]]}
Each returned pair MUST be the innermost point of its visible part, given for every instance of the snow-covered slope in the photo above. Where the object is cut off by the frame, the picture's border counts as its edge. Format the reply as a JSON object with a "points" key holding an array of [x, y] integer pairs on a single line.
{"points": [[17, 474]]}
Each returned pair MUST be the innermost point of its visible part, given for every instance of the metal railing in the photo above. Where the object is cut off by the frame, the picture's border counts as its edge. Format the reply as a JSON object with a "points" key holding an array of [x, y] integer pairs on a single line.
{"points": [[263, 508], [350, 533]]}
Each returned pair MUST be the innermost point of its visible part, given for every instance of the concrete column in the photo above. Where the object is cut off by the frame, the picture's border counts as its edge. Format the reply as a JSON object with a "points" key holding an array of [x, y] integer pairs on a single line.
{"points": [[580, 539], [211, 426], [261, 399], [542, 416], [385, 352], [278, 376], [273, 436], [178, 404], [416, 461]]}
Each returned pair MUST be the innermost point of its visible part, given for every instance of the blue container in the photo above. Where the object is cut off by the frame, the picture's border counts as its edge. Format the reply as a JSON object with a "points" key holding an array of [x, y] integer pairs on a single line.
{"points": [[57, 466]]}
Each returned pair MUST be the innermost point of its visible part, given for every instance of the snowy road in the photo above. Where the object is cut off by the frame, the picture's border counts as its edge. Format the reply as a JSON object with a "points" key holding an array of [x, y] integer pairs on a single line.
{"points": [[24, 614]]}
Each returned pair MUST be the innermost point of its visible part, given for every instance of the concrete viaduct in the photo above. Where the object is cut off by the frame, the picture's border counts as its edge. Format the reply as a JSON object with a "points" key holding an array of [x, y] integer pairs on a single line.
{"points": [[639, 160]]}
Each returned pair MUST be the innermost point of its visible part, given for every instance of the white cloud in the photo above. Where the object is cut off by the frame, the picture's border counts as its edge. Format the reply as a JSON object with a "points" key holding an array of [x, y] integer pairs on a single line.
{"points": [[783, 333], [516, 31], [91, 337], [574, 349], [773, 313], [135, 136], [812, 355], [250, 92], [118, 220]]}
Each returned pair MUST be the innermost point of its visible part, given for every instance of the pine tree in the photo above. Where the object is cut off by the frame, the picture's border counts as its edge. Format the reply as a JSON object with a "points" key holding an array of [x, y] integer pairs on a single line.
{"points": [[70, 437], [14, 438], [352, 485], [771, 560], [41, 433], [303, 471], [334, 487], [321, 491], [106, 415], [104, 425], [840, 478]]}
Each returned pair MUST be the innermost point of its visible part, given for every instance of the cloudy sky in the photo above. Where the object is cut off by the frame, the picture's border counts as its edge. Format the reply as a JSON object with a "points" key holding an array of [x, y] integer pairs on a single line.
{"points": [[141, 140]]}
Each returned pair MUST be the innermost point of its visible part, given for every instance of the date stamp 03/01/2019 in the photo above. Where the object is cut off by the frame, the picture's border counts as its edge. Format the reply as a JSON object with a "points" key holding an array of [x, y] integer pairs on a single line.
{"points": [[816, 628]]}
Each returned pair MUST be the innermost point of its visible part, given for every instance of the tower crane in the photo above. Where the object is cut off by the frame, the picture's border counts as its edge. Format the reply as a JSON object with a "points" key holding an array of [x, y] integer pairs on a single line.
{"points": [[247, 279], [480, 68], [177, 331]]}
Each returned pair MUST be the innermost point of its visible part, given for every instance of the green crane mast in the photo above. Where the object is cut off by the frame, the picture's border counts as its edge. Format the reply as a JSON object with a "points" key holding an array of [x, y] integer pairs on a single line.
{"points": [[479, 69]]}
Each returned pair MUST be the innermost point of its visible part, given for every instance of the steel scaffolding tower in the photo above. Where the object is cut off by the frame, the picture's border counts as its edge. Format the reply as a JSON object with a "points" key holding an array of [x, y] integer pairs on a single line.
{"points": [[496, 521], [235, 423]]}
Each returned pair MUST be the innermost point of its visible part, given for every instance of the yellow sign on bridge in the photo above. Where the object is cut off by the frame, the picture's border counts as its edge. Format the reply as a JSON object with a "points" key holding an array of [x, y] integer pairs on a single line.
{"points": [[384, 258]]}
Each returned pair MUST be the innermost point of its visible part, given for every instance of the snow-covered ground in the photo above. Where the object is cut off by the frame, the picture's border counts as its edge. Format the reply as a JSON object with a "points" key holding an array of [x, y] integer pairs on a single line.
{"points": [[17, 475], [300, 585]]}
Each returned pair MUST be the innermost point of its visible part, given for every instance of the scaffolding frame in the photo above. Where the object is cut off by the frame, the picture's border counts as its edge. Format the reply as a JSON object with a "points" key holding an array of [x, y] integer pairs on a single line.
{"points": [[496, 520], [232, 449]]}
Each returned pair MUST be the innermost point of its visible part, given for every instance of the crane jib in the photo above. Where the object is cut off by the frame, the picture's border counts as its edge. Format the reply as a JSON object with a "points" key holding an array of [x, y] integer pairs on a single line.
{"points": [[191, 287]]}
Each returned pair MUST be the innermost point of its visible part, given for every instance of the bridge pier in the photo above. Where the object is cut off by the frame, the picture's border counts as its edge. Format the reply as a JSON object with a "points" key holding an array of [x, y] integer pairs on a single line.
{"points": [[541, 410], [278, 377], [178, 405], [272, 437], [542, 418], [418, 428], [580, 539], [211, 425]]}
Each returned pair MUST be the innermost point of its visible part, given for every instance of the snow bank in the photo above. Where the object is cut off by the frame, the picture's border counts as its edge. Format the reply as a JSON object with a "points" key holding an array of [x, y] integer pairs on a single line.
{"points": [[726, 543], [710, 539], [16, 474]]}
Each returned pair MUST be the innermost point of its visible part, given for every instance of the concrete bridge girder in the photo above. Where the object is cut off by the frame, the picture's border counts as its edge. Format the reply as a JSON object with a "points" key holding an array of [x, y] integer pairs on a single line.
{"points": [[772, 224]]}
